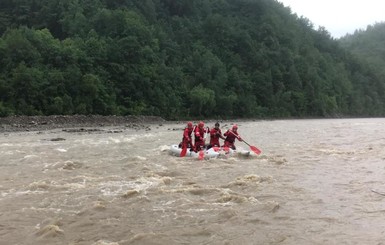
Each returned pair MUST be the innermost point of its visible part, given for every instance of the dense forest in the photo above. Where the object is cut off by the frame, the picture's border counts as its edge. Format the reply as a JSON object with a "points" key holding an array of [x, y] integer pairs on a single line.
{"points": [[179, 59], [368, 45]]}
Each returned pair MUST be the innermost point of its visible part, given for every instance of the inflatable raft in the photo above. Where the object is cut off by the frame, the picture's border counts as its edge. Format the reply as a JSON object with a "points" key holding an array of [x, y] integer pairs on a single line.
{"points": [[213, 152], [210, 153]]}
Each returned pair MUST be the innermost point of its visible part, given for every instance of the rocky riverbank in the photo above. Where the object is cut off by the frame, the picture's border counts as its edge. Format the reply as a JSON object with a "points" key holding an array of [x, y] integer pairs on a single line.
{"points": [[39, 123]]}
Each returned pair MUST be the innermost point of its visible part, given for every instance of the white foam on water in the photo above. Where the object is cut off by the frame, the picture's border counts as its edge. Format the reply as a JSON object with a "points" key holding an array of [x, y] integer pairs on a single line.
{"points": [[45, 209], [29, 192], [30, 156], [75, 186], [104, 242], [134, 137], [164, 148], [140, 158], [8, 153], [111, 140], [115, 140], [115, 188], [61, 150], [4, 193]]}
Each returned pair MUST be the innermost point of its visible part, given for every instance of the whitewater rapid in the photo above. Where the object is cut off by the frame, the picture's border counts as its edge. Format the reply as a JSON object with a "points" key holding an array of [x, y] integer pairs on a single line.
{"points": [[316, 182]]}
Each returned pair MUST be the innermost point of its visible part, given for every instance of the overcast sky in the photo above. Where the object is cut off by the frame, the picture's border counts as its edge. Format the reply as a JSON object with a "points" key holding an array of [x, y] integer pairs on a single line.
{"points": [[339, 16]]}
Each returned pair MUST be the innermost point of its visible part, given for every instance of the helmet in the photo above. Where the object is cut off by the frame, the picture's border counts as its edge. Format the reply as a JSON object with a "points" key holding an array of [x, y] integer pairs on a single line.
{"points": [[201, 124], [189, 125], [235, 127]]}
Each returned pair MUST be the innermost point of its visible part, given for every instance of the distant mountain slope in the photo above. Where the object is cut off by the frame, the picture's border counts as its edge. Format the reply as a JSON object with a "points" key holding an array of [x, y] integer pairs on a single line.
{"points": [[368, 44], [177, 59]]}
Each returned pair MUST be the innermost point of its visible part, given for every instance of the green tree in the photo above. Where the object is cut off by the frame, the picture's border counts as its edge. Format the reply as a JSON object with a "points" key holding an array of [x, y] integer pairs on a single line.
{"points": [[202, 100]]}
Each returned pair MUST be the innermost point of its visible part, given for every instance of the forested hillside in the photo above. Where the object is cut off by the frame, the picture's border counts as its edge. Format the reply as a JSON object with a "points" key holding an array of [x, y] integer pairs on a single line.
{"points": [[177, 59], [368, 45]]}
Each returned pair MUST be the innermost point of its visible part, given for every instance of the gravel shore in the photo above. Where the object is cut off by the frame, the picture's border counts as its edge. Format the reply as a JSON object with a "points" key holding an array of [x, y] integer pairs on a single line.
{"points": [[39, 123]]}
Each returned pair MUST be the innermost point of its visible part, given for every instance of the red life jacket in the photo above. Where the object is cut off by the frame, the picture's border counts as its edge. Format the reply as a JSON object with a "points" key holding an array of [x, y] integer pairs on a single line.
{"points": [[199, 133], [231, 136], [214, 136], [187, 133]]}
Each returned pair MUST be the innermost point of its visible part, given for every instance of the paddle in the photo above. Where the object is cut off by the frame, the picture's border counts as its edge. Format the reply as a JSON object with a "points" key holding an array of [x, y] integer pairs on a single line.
{"points": [[226, 149], [253, 148], [201, 155], [183, 152], [205, 135]]}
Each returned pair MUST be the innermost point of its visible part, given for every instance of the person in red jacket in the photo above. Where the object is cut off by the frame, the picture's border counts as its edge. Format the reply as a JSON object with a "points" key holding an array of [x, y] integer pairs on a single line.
{"points": [[186, 140], [231, 135], [215, 135], [199, 133]]}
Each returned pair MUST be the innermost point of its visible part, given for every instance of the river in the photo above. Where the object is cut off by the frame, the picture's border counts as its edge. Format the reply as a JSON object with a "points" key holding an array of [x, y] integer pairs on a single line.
{"points": [[316, 182]]}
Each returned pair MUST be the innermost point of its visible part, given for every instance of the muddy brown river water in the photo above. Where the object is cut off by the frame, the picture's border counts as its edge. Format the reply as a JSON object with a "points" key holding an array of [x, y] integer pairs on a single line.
{"points": [[316, 182]]}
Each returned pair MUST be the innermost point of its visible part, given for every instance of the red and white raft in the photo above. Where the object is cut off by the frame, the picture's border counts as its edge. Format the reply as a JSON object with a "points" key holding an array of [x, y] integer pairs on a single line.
{"points": [[213, 152]]}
